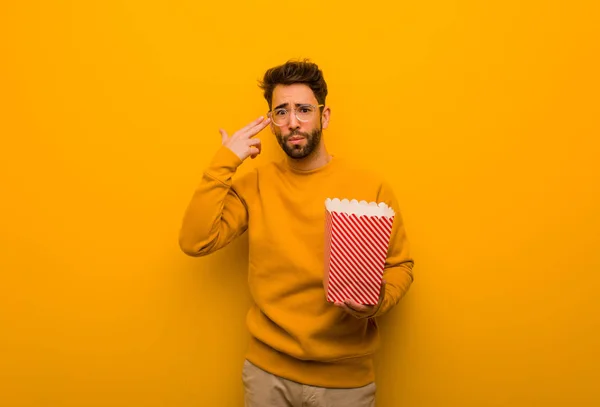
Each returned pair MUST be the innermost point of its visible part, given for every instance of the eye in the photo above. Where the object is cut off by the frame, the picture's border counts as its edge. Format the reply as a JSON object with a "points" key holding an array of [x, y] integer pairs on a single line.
{"points": [[280, 112], [305, 110]]}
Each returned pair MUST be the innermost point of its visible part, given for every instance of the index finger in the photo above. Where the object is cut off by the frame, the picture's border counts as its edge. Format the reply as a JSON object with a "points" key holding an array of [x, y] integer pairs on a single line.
{"points": [[252, 124], [255, 128], [355, 306]]}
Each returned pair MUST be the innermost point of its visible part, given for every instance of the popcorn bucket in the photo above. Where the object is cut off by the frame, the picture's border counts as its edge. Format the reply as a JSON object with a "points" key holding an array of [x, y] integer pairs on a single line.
{"points": [[357, 236]]}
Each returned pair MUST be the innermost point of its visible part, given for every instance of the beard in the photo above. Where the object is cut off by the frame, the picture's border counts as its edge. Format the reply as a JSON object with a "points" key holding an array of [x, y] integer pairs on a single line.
{"points": [[296, 151]]}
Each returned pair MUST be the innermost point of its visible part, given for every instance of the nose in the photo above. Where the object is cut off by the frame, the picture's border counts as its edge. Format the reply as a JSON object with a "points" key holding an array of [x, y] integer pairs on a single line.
{"points": [[293, 122]]}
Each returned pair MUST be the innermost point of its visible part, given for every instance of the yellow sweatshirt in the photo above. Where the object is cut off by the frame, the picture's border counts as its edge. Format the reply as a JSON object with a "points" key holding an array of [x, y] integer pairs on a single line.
{"points": [[295, 333]]}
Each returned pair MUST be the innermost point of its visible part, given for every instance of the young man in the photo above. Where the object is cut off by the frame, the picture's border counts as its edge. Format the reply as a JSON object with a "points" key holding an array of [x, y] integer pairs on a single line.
{"points": [[303, 350]]}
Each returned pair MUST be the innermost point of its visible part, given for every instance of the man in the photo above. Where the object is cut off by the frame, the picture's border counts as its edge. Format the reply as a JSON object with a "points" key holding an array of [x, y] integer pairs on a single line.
{"points": [[303, 350]]}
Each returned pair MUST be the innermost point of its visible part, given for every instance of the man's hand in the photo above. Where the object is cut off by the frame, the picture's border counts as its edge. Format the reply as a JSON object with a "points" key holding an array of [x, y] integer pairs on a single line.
{"points": [[241, 142], [359, 310]]}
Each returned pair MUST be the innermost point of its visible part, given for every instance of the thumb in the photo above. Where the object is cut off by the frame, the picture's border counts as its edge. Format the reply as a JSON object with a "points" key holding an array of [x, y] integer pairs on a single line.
{"points": [[224, 136]]}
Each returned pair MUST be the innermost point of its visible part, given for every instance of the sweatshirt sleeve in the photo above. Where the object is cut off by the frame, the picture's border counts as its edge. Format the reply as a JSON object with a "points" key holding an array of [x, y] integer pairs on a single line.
{"points": [[398, 273], [217, 212]]}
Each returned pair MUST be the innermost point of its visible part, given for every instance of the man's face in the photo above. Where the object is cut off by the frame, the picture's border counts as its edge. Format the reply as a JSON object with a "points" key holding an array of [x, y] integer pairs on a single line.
{"points": [[298, 139]]}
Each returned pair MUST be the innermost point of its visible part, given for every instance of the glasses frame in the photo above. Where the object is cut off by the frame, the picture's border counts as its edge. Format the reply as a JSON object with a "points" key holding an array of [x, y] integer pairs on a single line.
{"points": [[269, 113]]}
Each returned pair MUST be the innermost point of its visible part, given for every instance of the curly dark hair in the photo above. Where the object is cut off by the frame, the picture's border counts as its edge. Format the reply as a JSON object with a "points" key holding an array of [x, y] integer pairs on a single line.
{"points": [[302, 71]]}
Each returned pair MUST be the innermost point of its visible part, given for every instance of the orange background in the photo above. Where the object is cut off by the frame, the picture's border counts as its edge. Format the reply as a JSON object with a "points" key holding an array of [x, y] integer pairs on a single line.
{"points": [[484, 115]]}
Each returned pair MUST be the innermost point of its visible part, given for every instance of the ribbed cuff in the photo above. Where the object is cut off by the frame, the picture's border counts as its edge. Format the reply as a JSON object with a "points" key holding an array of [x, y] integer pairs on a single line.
{"points": [[223, 165]]}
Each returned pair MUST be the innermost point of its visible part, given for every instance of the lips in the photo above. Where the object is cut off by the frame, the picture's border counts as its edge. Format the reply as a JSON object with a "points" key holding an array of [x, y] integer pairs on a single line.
{"points": [[296, 138]]}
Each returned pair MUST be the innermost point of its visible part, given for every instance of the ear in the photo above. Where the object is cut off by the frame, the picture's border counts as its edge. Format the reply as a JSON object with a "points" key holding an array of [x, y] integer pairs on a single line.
{"points": [[325, 116]]}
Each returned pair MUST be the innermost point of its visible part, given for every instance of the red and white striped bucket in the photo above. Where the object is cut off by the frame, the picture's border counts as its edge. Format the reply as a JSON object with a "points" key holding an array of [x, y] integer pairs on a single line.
{"points": [[357, 236]]}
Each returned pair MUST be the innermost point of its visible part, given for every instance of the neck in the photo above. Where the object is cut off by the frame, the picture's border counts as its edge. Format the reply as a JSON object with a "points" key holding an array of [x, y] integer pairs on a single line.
{"points": [[319, 158]]}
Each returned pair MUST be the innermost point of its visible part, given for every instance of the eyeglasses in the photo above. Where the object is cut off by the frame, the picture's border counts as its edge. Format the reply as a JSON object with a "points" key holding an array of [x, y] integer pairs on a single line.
{"points": [[303, 113]]}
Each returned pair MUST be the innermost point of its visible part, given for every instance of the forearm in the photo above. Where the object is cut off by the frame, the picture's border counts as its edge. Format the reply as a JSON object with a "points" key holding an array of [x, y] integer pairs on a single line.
{"points": [[216, 213], [398, 270], [398, 280]]}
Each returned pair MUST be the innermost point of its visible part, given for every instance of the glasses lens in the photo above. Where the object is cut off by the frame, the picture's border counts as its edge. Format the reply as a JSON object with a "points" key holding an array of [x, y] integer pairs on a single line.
{"points": [[305, 112], [280, 116]]}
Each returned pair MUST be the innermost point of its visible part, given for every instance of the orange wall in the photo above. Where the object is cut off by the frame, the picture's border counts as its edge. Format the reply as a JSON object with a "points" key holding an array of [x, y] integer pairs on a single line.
{"points": [[485, 116]]}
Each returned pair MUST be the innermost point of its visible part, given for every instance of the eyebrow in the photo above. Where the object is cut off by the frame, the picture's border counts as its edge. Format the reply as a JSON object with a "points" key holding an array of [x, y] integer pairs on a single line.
{"points": [[285, 104]]}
